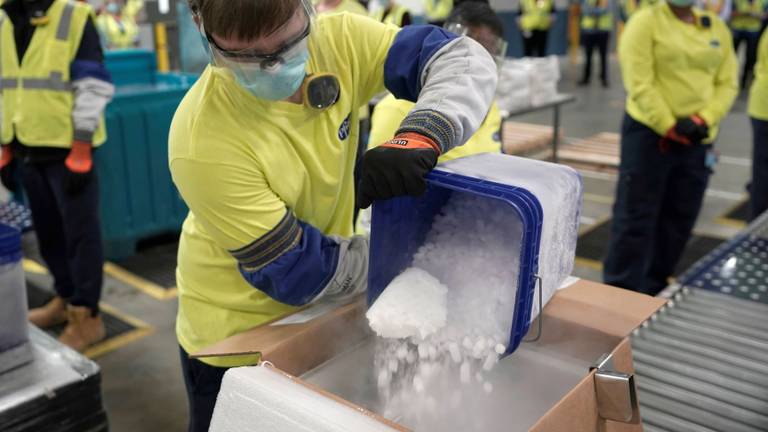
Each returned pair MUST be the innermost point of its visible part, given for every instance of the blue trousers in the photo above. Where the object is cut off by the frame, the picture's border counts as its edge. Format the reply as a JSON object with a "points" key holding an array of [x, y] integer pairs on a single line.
{"points": [[658, 198], [203, 383], [759, 189], [68, 231]]}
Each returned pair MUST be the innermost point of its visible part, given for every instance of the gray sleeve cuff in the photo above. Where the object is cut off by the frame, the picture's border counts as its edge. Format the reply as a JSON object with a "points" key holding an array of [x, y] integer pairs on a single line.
{"points": [[91, 98], [458, 86], [83, 136], [432, 125]]}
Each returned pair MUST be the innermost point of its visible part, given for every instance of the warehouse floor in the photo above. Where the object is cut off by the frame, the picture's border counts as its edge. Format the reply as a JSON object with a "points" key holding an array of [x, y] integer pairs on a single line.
{"points": [[142, 383]]}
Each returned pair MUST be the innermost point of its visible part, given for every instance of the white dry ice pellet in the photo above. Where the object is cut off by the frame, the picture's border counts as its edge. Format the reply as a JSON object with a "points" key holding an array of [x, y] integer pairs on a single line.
{"points": [[500, 349], [418, 384], [423, 351], [402, 352], [453, 348], [392, 365], [467, 343], [383, 378], [465, 373], [411, 357], [490, 361]]}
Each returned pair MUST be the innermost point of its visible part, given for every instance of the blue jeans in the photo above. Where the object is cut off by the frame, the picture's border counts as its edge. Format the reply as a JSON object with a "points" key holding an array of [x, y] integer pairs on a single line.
{"points": [[759, 190], [658, 198]]}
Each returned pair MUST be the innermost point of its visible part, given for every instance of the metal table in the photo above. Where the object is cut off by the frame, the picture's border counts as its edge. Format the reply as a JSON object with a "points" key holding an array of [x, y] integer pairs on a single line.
{"points": [[555, 104], [58, 391]]}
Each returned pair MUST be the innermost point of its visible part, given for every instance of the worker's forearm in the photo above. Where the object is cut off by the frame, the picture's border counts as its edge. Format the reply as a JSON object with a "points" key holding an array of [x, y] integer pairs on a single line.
{"points": [[458, 85]]}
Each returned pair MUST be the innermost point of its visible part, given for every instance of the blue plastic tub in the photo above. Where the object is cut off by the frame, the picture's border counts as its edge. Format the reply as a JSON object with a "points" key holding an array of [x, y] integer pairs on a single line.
{"points": [[400, 226]]}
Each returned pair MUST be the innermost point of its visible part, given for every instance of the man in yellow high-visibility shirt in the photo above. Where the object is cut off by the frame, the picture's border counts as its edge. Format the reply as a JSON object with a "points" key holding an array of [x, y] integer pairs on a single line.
{"points": [[680, 74], [52, 119], [117, 23], [535, 18], [596, 27], [747, 23], [263, 147], [758, 112]]}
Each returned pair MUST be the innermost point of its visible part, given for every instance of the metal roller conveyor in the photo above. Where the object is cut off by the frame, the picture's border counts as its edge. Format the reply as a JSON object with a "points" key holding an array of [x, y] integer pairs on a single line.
{"points": [[702, 361]]}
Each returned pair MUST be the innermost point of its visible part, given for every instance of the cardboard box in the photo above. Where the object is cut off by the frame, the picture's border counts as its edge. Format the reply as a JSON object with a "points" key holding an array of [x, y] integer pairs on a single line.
{"points": [[580, 323]]}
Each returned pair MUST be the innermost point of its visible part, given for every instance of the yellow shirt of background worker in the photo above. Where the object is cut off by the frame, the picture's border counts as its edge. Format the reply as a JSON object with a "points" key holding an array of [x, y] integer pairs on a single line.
{"points": [[437, 10], [118, 26], [747, 15], [390, 112], [758, 96], [629, 7], [351, 6], [664, 85], [537, 14]]}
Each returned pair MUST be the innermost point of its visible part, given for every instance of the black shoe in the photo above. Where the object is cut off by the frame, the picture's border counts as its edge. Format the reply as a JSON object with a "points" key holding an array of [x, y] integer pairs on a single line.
{"points": [[606, 84], [583, 83]]}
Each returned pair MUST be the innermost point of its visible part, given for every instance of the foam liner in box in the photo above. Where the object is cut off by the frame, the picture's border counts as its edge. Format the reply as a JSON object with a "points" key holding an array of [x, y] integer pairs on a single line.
{"points": [[263, 399]]}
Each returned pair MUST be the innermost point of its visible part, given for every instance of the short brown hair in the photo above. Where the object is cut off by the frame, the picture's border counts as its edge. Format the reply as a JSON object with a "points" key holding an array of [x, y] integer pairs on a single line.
{"points": [[243, 19]]}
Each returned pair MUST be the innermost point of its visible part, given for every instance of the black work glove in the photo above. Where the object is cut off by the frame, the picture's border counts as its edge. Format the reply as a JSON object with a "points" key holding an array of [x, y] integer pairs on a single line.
{"points": [[694, 128], [396, 168]]}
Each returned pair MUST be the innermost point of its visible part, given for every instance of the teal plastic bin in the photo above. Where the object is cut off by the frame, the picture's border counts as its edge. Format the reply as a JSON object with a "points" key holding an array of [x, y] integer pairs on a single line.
{"points": [[138, 198]]}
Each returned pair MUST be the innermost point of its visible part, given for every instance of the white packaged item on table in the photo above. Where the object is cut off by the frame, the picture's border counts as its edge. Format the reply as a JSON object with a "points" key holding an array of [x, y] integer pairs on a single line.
{"points": [[263, 399]]}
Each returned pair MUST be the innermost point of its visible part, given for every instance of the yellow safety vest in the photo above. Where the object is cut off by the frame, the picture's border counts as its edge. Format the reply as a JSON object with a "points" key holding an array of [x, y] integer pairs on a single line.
{"points": [[37, 94], [536, 14], [394, 16], [748, 23], [119, 33], [437, 10], [758, 96], [603, 22]]}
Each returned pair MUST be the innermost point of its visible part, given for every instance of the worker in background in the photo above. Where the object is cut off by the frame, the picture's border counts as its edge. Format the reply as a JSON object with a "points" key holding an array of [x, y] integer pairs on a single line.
{"points": [[390, 12], [747, 23], [596, 27], [535, 18], [680, 74], [52, 119], [758, 112], [117, 23], [478, 21], [352, 6], [629, 7], [262, 149], [437, 11]]}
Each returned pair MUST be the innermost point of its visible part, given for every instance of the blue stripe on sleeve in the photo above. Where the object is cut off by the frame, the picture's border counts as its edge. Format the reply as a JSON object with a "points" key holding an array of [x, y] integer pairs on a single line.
{"points": [[409, 54], [80, 69], [300, 274]]}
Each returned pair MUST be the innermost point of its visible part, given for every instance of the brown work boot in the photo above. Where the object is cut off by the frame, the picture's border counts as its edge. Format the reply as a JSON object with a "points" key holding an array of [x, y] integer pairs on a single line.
{"points": [[83, 330], [52, 314]]}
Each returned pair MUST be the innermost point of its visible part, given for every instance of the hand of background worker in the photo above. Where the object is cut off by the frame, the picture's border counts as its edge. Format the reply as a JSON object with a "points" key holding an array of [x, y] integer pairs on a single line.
{"points": [[694, 128], [79, 165], [396, 168], [6, 168]]}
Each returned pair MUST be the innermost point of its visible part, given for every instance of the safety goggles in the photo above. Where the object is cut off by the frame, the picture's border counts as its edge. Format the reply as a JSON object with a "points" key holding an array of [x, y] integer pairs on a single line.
{"points": [[265, 61], [495, 45]]}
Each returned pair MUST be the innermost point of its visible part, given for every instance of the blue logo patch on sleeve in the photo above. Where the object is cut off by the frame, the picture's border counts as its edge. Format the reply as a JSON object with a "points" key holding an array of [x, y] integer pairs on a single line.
{"points": [[497, 136], [344, 128]]}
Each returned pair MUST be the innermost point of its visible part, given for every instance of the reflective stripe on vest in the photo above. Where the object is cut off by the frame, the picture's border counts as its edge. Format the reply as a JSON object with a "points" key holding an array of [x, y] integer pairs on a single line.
{"points": [[602, 22], [748, 23]]}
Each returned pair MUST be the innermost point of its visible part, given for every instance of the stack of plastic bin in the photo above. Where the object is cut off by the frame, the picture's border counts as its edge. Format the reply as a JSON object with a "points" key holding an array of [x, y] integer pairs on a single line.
{"points": [[138, 198]]}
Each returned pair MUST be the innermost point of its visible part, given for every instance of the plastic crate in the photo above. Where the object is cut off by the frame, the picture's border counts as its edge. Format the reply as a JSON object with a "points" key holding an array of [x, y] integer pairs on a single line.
{"points": [[138, 198], [400, 226], [131, 66]]}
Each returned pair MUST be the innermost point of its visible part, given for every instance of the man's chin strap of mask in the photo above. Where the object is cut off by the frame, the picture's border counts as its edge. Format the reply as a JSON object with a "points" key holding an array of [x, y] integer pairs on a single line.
{"points": [[321, 90]]}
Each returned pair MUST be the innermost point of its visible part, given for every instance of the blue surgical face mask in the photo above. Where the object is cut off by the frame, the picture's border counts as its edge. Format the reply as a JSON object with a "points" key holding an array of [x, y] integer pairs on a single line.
{"points": [[113, 8], [681, 3], [277, 84]]}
